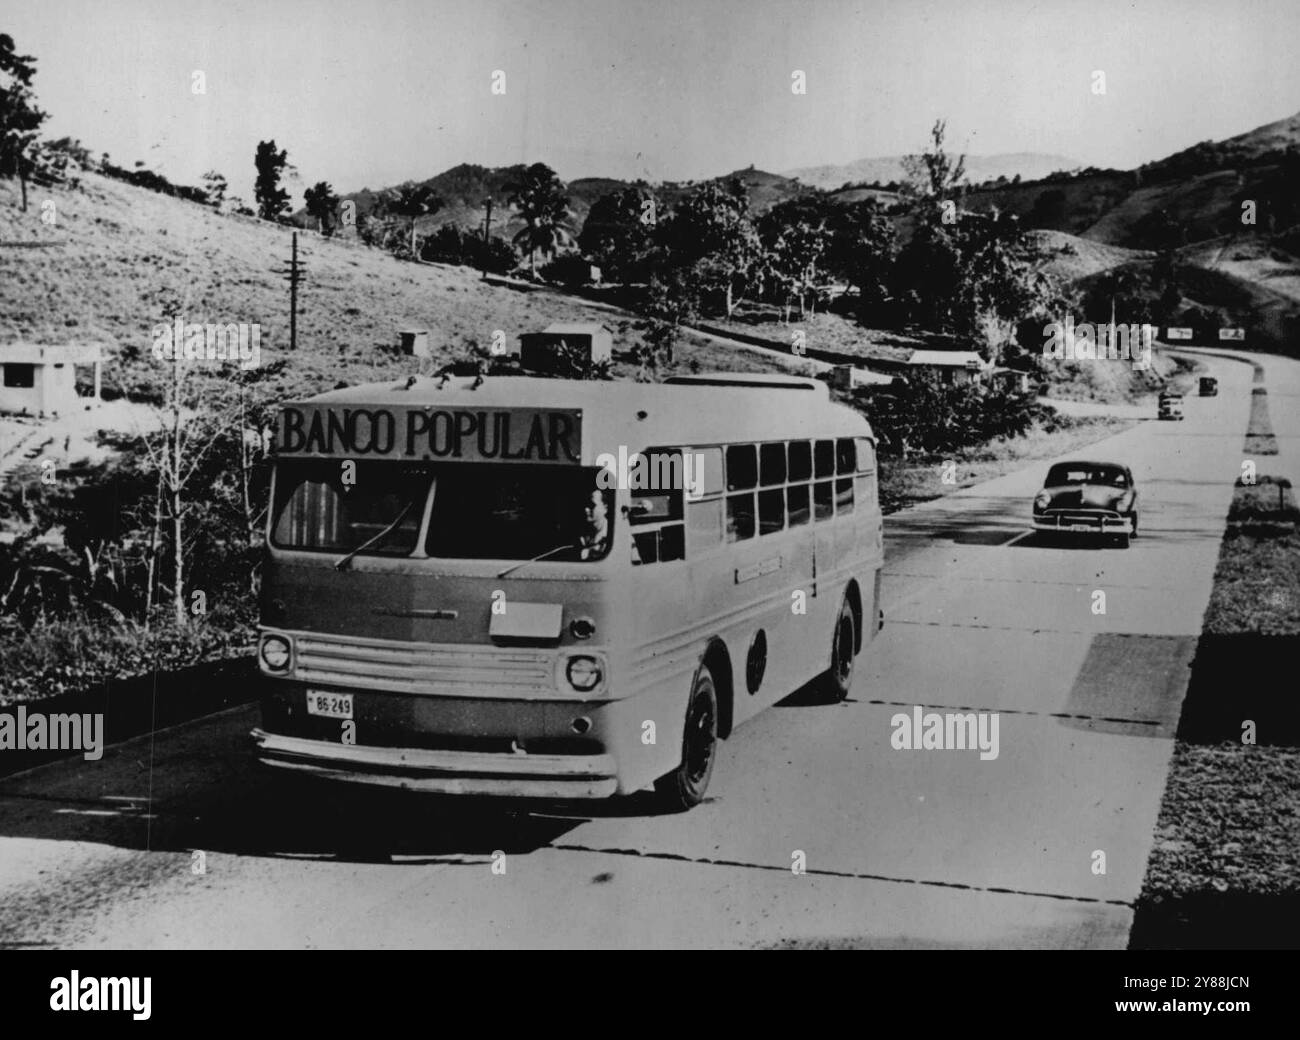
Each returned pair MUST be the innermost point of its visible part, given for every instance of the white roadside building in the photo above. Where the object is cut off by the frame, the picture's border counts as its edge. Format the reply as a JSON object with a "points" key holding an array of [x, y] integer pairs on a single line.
{"points": [[42, 381]]}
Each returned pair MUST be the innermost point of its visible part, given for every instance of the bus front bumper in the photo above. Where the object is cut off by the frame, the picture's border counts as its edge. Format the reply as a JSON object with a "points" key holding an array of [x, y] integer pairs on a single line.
{"points": [[442, 772]]}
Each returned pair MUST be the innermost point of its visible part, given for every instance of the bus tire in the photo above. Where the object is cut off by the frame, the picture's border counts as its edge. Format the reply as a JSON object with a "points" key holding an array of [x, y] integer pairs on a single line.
{"points": [[838, 678], [684, 787]]}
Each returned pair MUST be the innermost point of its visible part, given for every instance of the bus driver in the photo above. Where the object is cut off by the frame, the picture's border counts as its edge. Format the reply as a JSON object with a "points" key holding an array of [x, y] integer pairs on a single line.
{"points": [[592, 544]]}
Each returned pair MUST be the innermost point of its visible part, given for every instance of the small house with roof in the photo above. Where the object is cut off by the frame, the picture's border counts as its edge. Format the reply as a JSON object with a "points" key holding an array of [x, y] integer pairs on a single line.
{"points": [[42, 381], [591, 341], [951, 366]]}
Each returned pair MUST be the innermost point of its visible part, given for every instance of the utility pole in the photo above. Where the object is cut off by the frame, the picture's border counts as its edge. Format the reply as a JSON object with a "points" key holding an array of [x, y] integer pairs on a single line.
{"points": [[293, 275], [487, 227]]}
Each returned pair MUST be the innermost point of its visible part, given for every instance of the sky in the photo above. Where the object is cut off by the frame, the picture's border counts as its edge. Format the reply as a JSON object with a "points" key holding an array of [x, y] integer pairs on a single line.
{"points": [[377, 93]]}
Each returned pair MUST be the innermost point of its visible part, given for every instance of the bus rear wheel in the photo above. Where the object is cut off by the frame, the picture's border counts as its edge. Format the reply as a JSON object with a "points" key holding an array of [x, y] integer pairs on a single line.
{"points": [[838, 678], [684, 787]]}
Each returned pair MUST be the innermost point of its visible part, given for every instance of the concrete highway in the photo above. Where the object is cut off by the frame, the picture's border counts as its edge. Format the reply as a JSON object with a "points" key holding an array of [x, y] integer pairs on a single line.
{"points": [[903, 848]]}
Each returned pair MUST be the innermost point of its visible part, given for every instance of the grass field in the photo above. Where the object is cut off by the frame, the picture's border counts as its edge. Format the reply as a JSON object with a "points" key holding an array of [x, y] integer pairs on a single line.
{"points": [[1225, 868], [118, 255]]}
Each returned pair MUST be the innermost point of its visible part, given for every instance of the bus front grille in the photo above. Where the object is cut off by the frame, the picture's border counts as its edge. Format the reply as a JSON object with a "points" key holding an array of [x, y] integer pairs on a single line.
{"points": [[375, 664]]}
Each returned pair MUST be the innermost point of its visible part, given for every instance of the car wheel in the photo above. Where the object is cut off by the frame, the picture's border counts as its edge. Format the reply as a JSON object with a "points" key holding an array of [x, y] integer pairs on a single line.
{"points": [[838, 678], [684, 787]]}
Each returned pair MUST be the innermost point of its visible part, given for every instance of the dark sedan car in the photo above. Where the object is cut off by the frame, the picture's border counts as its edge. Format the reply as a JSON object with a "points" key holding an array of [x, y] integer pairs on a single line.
{"points": [[1088, 498]]}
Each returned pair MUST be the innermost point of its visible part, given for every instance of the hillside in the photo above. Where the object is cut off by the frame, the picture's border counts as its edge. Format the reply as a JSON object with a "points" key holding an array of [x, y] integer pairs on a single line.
{"points": [[1188, 197], [1026, 165], [464, 190], [1254, 146], [119, 253], [1073, 206], [1069, 258]]}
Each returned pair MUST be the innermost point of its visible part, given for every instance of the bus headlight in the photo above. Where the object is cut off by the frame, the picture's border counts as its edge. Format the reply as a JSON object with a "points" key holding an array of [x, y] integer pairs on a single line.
{"points": [[584, 673], [275, 653]]}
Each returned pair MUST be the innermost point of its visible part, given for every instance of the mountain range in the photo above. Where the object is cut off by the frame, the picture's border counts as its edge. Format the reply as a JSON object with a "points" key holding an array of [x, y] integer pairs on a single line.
{"points": [[1199, 189], [1025, 165]]}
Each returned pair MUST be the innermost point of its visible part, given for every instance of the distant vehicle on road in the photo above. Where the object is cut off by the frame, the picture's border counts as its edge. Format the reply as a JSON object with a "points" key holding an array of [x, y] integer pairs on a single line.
{"points": [[1170, 406], [1089, 498], [1209, 386]]}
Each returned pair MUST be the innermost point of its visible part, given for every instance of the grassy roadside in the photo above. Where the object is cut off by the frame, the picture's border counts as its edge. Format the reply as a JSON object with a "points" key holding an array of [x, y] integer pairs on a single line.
{"points": [[67, 657], [1225, 868], [909, 482]]}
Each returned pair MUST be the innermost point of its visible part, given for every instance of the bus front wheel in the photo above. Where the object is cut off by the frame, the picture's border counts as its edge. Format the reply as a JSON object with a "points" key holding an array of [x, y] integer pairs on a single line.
{"points": [[684, 787], [837, 679]]}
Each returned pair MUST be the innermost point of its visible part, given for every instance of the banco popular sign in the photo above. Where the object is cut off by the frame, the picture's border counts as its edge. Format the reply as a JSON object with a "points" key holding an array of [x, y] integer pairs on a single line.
{"points": [[446, 434]]}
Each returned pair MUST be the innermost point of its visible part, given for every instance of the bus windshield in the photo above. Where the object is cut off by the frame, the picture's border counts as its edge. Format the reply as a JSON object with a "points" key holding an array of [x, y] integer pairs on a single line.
{"points": [[478, 511], [326, 507]]}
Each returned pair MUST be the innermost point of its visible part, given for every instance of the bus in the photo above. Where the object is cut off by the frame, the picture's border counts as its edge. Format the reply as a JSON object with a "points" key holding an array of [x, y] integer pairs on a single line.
{"points": [[558, 589]]}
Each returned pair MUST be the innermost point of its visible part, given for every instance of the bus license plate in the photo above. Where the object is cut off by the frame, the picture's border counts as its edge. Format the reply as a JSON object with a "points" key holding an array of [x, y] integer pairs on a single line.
{"points": [[331, 705], [1081, 527]]}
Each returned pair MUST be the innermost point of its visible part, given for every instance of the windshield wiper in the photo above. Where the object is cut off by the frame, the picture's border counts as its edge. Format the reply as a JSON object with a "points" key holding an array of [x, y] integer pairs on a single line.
{"points": [[379, 537], [542, 556]]}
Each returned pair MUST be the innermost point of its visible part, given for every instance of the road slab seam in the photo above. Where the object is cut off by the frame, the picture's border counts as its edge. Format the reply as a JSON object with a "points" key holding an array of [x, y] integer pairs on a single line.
{"points": [[1018, 711], [854, 875]]}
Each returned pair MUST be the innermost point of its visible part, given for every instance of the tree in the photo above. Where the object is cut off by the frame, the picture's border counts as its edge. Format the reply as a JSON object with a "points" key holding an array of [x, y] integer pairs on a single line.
{"points": [[215, 187], [862, 251], [796, 235], [966, 273], [934, 176], [709, 239], [20, 119], [272, 200], [618, 233], [672, 301], [1049, 209], [411, 201], [321, 204], [538, 197]]}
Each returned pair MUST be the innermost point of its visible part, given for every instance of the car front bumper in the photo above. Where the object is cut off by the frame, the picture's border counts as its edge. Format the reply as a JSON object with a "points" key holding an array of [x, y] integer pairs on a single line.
{"points": [[1084, 523]]}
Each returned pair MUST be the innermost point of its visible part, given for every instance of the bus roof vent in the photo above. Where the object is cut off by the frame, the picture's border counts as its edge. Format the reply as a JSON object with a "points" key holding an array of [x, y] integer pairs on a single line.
{"points": [[753, 380]]}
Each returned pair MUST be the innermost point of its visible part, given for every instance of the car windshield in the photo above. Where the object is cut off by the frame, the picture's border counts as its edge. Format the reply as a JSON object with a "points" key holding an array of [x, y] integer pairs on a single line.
{"points": [[478, 511], [1084, 473]]}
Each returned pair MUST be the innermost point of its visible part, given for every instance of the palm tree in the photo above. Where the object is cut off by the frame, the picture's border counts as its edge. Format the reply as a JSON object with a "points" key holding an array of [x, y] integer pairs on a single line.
{"points": [[540, 200], [414, 200]]}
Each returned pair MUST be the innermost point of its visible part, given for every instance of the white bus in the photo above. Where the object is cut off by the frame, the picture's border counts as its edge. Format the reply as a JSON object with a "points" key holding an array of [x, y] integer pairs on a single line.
{"points": [[458, 599]]}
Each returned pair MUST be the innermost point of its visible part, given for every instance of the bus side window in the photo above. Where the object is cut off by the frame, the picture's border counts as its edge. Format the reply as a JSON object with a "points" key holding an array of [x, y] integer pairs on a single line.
{"points": [[704, 500], [771, 511], [824, 490], [844, 495], [865, 484], [742, 476], [740, 517], [796, 496], [659, 489], [825, 458], [772, 459], [823, 500], [800, 461], [846, 464]]}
